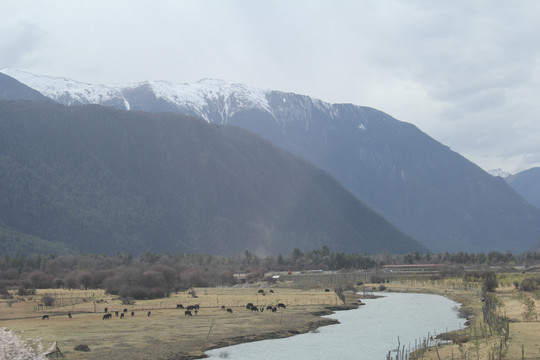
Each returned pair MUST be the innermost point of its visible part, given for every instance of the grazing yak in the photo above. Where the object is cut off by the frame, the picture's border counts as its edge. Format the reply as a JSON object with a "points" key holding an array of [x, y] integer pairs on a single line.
{"points": [[188, 313], [45, 317], [229, 311]]}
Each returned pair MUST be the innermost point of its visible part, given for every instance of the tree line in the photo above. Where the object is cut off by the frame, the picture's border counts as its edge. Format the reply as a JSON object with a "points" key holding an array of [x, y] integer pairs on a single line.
{"points": [[154, 275]]}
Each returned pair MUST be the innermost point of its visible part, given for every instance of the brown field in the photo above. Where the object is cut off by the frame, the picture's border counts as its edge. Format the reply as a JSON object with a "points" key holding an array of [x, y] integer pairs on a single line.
{"points": [[167, 333]]}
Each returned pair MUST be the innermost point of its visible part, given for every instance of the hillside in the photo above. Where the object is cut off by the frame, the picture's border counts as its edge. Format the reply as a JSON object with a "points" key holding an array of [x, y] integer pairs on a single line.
{"points": [[527, 184], [427, 190], [95, 179]]}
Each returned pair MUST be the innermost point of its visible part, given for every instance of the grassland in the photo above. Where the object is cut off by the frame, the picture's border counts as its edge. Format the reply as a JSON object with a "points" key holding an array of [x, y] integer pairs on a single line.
{"points": [[167, 333]]}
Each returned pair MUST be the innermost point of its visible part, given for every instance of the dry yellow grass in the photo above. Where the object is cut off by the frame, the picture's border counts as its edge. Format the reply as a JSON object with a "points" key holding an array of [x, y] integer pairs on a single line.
{"points": [[526, 334], [167, 333]]}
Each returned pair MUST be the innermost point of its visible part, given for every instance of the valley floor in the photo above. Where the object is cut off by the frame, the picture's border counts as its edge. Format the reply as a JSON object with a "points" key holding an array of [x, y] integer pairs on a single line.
{"points": [[169, 334]]}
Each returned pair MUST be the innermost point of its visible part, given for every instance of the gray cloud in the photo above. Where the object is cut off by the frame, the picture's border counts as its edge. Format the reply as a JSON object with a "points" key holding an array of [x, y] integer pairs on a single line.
{"points": [[19, 39]]}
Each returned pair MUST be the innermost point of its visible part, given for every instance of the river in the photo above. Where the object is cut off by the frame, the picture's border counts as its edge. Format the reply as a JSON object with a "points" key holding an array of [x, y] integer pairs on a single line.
{"points": [[366, 333]]}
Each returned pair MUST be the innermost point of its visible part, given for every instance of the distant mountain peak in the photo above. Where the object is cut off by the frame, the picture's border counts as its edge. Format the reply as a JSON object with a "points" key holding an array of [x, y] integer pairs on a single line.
{"points": [[499, 172], [211, 81]]}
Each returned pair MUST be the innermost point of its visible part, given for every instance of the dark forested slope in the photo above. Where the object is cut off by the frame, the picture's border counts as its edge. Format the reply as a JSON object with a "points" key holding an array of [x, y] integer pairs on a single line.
{"points": [[95, 179]]}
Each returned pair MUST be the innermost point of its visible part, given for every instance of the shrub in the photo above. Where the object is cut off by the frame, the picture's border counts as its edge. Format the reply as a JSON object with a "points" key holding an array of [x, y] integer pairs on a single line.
{"points": [[339, 292], [376, 279], [143, 293], [465, 312], [58, 283], [4, 294], [85, 279], [127, 300], [490, 282], [82, 347], [25, 291], [40, 280], [48, 300], [192, 293], [529, 284], [530, 308]]}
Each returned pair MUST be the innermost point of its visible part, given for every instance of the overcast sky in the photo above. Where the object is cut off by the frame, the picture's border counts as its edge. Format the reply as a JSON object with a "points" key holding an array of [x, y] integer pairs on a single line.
{"points": [[465, 72]]}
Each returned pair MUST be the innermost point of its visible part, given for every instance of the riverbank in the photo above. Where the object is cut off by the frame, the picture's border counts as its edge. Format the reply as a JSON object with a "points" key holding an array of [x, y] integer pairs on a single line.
{"points": [[519, 340], [442, 346], [300, 326]]}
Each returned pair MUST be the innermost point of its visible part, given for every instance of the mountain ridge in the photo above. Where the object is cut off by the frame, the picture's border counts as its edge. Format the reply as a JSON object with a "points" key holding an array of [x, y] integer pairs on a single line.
{"points": [[430, 192]]}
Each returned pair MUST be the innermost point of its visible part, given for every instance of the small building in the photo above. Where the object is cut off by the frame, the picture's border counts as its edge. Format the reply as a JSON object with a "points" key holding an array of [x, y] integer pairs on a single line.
{"points": [[414, 268]]}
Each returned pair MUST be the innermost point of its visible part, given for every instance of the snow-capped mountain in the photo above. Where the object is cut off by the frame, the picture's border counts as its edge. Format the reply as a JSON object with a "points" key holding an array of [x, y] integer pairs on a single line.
{"points": [[207, 98], [499, 172], [427, 190]]}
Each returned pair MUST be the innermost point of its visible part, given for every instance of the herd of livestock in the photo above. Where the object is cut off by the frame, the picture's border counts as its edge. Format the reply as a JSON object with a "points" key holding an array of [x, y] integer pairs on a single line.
{"points": [[188, 310]]}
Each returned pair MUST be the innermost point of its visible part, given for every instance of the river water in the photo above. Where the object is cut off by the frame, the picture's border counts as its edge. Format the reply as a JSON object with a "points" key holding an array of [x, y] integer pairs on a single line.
{"points": [[366, 333]]}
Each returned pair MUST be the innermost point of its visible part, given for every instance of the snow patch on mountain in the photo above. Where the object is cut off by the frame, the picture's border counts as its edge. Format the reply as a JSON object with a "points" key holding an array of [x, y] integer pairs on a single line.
{"points": [[216, 101], [499, 172], [58, 88], [228, 97]]}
